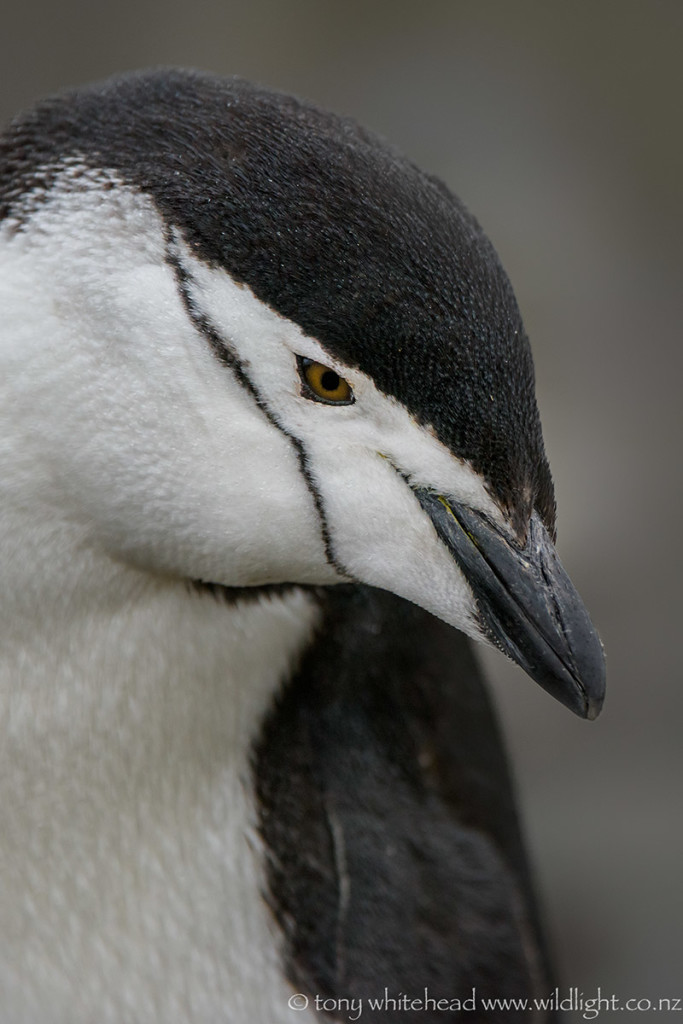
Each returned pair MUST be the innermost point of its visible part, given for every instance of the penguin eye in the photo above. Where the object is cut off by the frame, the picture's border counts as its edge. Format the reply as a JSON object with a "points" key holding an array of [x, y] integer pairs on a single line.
{"points": [[322, 384]]}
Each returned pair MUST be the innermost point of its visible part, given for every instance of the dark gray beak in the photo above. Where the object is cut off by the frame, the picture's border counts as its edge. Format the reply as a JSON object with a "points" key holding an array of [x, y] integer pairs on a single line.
{"points": [[527, 604]]}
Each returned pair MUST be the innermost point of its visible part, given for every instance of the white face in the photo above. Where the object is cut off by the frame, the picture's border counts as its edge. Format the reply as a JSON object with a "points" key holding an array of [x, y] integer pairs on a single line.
{"points": [[223, 470]]}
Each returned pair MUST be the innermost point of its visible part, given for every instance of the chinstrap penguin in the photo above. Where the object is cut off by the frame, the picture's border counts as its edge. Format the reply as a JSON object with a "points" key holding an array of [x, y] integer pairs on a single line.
{"points": [[269, 434]]}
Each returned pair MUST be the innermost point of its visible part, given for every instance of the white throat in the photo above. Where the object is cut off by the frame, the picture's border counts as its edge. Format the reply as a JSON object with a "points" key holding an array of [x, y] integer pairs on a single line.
{"points": [[131, 868]]}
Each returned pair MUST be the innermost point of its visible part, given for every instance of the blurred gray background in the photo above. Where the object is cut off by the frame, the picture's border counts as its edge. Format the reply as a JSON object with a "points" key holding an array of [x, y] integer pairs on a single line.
{"points": [[560, 125]]}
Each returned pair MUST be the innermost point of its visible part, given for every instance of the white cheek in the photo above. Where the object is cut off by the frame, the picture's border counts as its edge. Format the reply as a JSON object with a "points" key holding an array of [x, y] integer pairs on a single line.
{"points": [[382, 536]]}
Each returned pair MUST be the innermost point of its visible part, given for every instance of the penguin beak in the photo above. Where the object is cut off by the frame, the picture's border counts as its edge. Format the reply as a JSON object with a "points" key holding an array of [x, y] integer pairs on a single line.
{"points": [[527, 604]]}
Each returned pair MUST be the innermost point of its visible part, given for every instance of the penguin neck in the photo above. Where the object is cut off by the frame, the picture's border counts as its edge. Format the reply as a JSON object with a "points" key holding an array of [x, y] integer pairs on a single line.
{"points": [[129, 714], [139, 653], [75, 620]]}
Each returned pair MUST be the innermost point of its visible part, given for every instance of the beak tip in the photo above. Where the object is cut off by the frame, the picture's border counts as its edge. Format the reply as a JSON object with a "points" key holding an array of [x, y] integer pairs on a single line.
{"points": [[593, 688], [593, 710], [576, 675]]}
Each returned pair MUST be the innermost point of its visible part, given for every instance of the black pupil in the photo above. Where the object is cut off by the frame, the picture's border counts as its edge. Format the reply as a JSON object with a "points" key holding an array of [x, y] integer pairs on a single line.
{"points": [[330, 380]]}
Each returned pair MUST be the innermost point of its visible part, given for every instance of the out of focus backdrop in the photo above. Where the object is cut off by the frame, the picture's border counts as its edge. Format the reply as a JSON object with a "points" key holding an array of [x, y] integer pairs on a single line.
{"points": [[561, 127]]}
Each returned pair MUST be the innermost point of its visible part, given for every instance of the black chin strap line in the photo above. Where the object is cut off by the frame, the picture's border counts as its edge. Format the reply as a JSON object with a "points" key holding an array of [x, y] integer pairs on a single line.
{"points": [[229, 358]]}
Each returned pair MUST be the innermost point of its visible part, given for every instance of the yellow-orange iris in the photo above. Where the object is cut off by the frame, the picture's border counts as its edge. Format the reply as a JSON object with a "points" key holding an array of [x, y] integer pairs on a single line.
{"points": [[326, 384]]}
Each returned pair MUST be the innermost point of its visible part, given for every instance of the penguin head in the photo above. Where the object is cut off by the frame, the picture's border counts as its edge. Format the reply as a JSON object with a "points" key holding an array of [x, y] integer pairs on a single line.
{"points": [[260, 346]]}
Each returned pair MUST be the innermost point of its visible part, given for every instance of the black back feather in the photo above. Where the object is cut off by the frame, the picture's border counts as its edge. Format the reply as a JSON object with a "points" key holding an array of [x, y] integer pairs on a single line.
{"points": [[394, 853]]}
